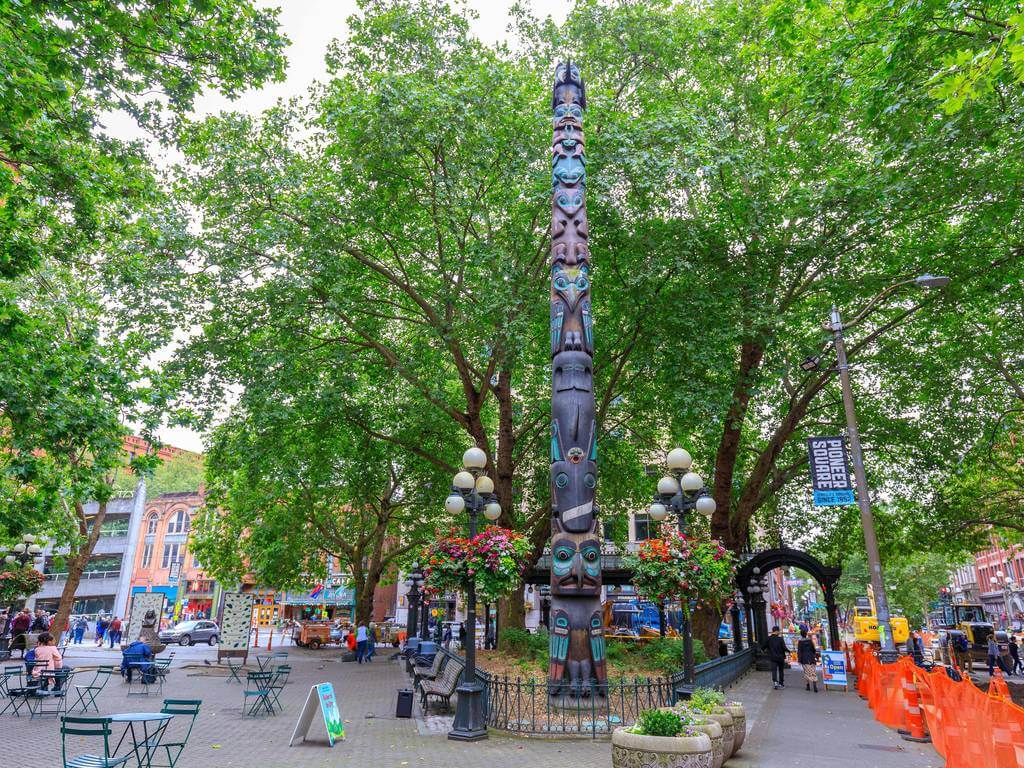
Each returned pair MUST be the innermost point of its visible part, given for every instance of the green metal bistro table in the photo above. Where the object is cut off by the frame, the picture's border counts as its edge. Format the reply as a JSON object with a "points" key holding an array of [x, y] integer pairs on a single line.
{"points": [[153, 725]]}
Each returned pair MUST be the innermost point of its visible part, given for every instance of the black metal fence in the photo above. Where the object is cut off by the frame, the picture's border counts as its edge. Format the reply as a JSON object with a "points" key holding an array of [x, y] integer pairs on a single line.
{"points": [[524, 706]]}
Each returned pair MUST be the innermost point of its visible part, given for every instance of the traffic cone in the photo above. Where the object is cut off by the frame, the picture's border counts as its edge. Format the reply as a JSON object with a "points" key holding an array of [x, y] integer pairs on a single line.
{"points": [[912, 702]]}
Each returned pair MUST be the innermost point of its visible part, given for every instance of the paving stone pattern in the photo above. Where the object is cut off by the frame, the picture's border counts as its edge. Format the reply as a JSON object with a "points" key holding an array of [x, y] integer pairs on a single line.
{"points": [[787, 728]]}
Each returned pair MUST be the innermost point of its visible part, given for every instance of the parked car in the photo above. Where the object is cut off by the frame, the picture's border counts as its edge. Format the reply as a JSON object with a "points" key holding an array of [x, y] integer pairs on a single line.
{"points": [[189, 632]]}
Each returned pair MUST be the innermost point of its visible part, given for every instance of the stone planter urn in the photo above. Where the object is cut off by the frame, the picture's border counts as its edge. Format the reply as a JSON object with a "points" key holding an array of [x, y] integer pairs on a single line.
{"points": [[739, 721], [631, 750], [724, 719], [708, 726]]}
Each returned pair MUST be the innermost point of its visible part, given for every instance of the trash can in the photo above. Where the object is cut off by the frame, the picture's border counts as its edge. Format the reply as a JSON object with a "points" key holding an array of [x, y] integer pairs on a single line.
{"points": [[404, 706]]}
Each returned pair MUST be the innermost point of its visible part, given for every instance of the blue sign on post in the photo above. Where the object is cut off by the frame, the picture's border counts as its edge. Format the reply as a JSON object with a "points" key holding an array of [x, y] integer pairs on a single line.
{"points": [[830, 472]]}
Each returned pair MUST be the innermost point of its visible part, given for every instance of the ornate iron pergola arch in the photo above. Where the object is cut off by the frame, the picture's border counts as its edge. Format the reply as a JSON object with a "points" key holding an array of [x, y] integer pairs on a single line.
{"points": [[769, 559]]}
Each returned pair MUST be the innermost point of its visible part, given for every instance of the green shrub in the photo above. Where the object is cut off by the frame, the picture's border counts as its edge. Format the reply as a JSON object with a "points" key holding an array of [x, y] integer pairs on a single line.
{"points": [[657, 722], [520, 642], [706, 700]]}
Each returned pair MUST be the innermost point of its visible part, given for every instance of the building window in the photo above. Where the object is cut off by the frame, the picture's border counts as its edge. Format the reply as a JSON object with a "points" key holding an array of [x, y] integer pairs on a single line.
{"points": [[172, 554], [180, 523], [151, 525], [147, 555], [641, 527]]}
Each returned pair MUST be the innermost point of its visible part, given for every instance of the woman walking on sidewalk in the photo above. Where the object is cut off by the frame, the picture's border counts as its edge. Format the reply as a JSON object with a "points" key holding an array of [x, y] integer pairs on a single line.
{"points": [[807, 656]]}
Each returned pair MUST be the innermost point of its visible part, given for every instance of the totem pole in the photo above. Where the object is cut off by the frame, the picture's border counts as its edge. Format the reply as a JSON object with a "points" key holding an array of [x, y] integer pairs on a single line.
{"points": [[577, 651]]}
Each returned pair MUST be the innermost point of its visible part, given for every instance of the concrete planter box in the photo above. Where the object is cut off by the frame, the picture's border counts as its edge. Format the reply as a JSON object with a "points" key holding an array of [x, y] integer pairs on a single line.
{"points": [[631, 750], [724, 719], [711, 728], [739, 721]]}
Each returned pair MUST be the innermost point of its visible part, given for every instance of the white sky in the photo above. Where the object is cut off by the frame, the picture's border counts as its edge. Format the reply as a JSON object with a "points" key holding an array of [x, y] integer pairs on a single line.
{"points": [[311, 25]]}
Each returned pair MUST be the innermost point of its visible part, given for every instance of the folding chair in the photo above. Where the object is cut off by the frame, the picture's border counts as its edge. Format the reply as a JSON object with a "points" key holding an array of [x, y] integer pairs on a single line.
{"points": [[233, 670], [257, 690], [277, 684], [54, 699], [185, 707], [141, 673], [88, 726], [87, 693], [15, 689]]}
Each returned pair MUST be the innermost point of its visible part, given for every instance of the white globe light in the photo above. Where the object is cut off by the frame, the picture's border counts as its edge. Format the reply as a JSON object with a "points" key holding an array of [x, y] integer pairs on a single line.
{"points": [[18, 548], [492, 511], [668, 486], [34, 549], [484, 484], [463, 480], [9, 559], [28, 538], [678, 458], [474, 458], [691, 482], [706, 505], [657, 511], [455, 504]]}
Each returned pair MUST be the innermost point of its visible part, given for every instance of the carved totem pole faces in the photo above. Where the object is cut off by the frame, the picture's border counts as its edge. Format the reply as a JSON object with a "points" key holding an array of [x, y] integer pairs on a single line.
{"points": [[577, 662]]}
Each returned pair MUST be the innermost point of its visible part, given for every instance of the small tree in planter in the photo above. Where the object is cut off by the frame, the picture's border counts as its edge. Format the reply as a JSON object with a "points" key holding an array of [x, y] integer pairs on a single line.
{"points": [[495, 558]]}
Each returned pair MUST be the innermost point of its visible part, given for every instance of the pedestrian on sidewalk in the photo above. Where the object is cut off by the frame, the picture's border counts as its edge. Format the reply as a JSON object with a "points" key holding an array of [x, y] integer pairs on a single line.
{"points": [[371, 642], [19, 630], [360, 643], [114, 631], [1015, 656], [807, 657], [777, 655], [462, 635], [79, 628], [101, 629], [993, 653]]}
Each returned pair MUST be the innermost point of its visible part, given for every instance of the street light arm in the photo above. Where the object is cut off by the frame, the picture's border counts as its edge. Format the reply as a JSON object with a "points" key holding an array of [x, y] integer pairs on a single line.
{"points": [[871, 306]]}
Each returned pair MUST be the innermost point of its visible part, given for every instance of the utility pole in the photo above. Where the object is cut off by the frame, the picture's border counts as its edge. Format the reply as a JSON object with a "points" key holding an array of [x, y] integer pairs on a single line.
{"points": [[888, 653]]}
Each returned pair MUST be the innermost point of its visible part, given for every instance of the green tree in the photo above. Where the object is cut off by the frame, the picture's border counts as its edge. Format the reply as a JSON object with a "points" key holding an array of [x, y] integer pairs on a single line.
{"points": [[91, 250]]}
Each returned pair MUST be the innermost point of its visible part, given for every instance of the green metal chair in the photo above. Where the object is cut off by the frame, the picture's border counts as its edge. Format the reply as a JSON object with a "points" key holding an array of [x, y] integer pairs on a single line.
{"points": [[52, 699], [233, 670], [77, 725], [184, 707], [12, 688], [278, 682], [257, 690], [87, 693]]}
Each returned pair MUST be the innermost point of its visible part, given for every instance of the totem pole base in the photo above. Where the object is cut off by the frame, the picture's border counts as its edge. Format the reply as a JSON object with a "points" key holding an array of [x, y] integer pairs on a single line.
{"points": [[470, 724]]}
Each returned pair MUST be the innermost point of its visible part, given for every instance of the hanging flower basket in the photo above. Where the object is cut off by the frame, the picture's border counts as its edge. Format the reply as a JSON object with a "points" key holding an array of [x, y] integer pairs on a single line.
{"points": [[681, 567], [495, 558], [19, 582]]}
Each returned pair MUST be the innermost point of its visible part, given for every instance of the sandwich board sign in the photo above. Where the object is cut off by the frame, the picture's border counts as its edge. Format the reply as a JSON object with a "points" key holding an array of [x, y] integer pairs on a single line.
{"points": [[830, 472], [321, 697], [833, 668]]}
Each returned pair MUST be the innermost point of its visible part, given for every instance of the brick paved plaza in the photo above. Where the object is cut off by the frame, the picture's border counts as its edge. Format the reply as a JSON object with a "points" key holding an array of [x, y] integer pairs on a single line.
{"points": [[787, 728]]}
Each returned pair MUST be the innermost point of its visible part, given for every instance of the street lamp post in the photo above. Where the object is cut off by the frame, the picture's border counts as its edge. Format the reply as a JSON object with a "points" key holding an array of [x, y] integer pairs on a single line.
{"points": [[413, 598], [25, 554], [473, 492], [1008, 586], [888, 653], [681, 492]]}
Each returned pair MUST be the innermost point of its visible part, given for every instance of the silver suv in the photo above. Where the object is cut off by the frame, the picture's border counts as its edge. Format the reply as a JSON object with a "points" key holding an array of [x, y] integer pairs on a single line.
{"points": [[189, 632]]}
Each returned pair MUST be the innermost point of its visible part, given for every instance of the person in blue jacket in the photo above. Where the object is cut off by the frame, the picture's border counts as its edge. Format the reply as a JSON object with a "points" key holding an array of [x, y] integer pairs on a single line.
{"points": [[138, 650]]}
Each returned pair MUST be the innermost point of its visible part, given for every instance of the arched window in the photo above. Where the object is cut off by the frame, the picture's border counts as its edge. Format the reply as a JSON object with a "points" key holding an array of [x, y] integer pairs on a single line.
{"points": [[180, 523], [151, 525]]}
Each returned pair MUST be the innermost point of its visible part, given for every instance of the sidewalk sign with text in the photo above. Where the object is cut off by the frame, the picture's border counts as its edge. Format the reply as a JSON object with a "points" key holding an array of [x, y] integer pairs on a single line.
{"points": [[830, 472], [321, 696], [833, 668]]}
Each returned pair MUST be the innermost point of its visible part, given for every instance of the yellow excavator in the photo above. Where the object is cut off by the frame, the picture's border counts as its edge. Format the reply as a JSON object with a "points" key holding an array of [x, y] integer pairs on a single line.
{"points": [[865, 622]]}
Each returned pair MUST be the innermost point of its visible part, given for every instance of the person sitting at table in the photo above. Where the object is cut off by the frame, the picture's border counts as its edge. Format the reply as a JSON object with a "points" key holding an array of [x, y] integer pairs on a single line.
{"points": [[48, 659], [140, 651]]}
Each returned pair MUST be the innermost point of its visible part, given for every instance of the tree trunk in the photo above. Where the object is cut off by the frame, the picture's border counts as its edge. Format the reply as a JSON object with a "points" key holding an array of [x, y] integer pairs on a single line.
{"points": [[512, 611], [704, 625], [77, 563]]}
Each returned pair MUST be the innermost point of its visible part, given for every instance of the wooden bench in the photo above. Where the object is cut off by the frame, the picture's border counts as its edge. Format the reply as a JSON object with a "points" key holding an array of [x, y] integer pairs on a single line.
{"points": [[423, 672], [444, 686]]}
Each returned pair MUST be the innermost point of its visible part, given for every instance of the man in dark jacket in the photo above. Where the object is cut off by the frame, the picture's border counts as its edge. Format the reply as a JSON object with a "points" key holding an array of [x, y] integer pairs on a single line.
{"points": [[777, 655], [807, 657], [19, 629]]}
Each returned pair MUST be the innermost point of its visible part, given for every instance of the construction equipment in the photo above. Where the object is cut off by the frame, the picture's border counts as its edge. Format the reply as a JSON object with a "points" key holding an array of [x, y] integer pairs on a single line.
{"points": [[865, 622], [968, 621]]}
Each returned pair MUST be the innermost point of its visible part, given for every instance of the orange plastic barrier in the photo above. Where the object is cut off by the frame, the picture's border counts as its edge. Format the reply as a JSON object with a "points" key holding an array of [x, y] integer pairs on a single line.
{"points": [[968, 727]]}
